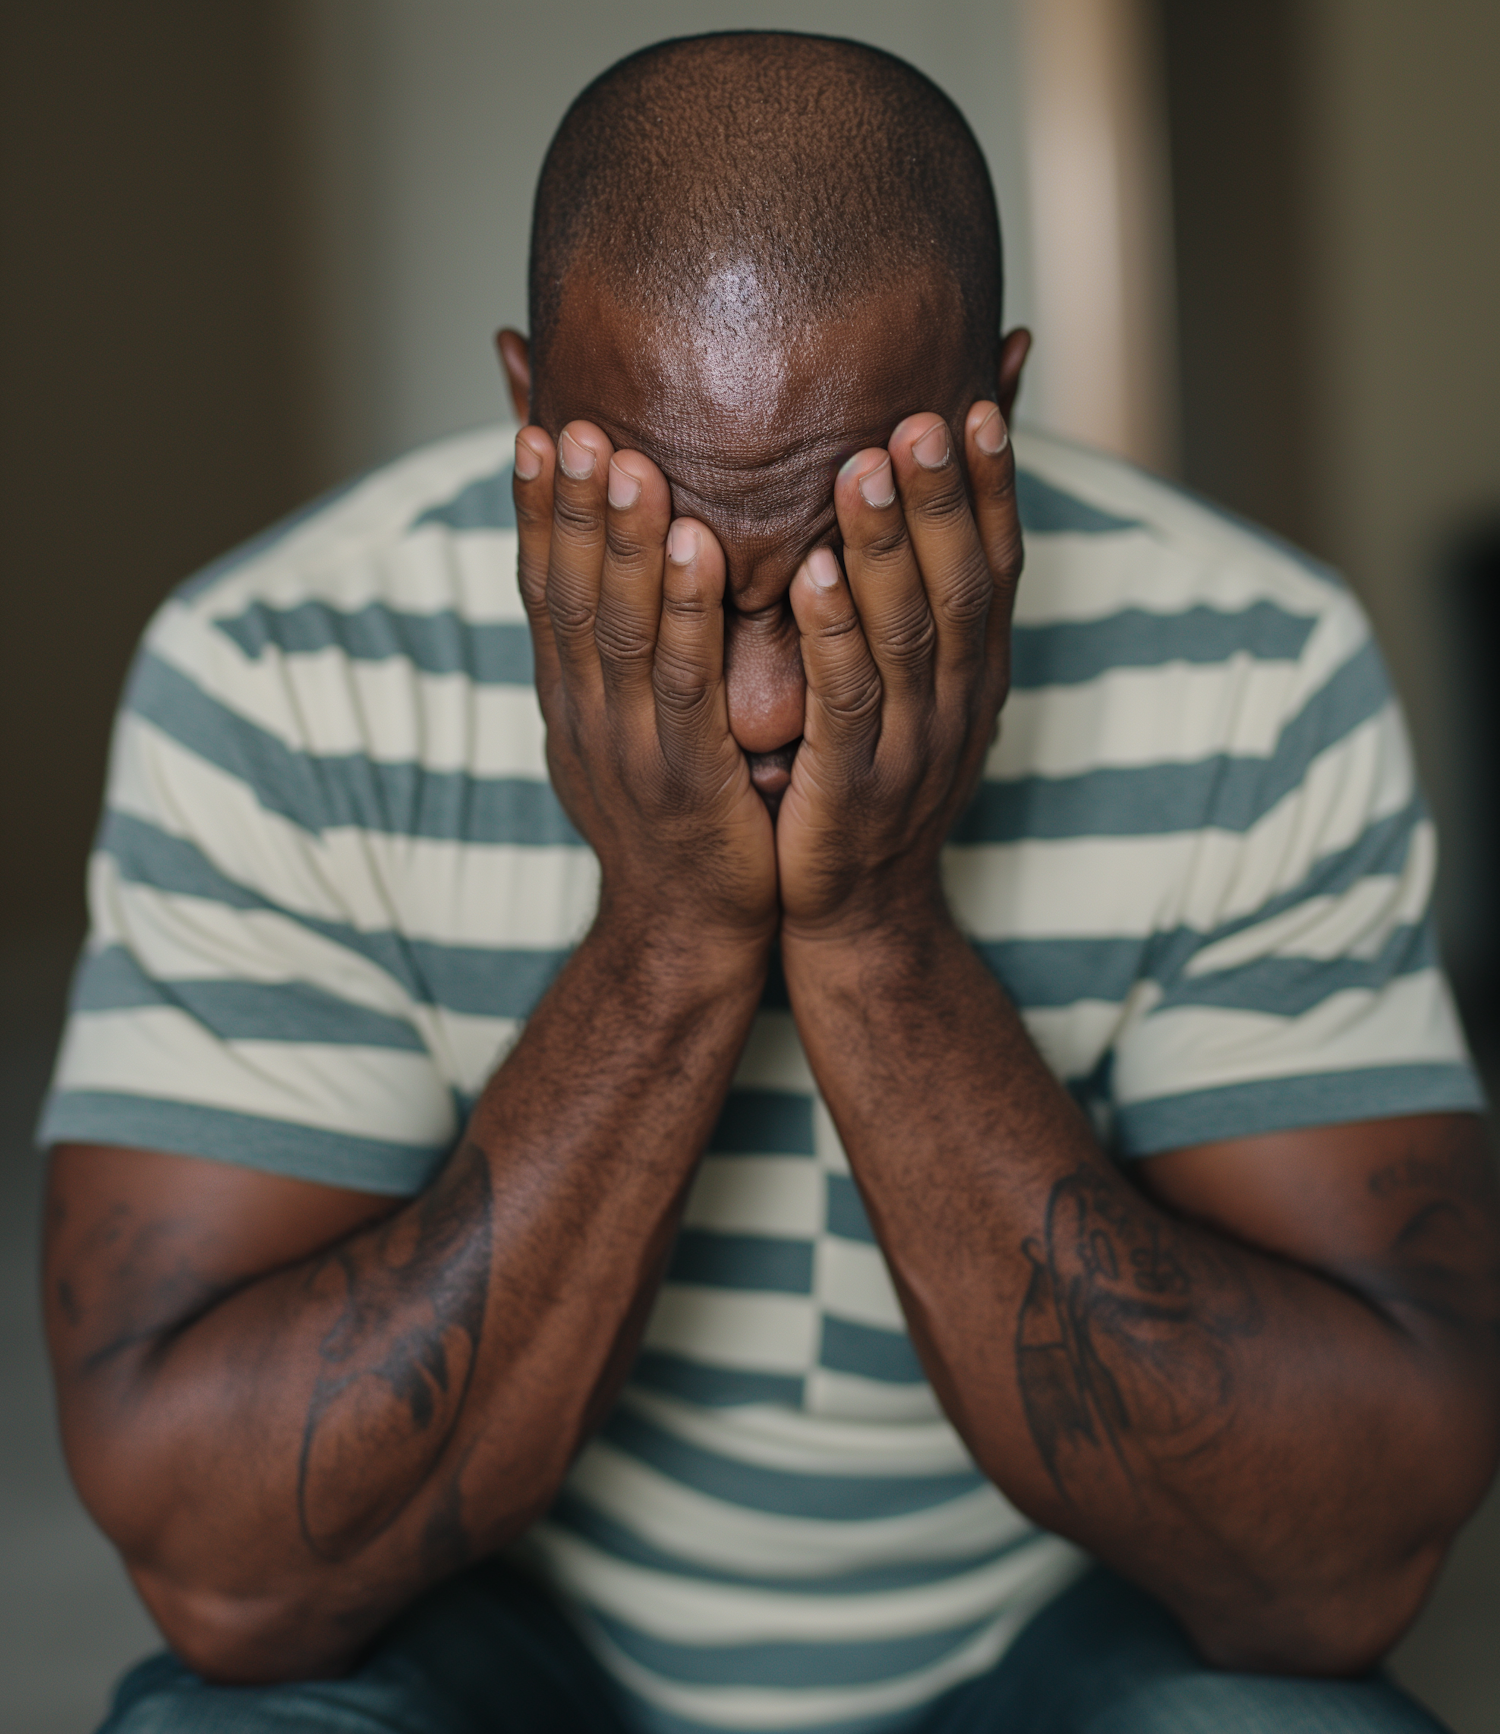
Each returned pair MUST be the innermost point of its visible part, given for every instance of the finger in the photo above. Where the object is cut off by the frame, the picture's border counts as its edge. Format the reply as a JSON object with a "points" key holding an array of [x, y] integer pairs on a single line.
{"points": [[531, 488], [692, 708], [638, 511], [576, 556], [883, 574], [992, 476], [940, 523], [844, 691]]}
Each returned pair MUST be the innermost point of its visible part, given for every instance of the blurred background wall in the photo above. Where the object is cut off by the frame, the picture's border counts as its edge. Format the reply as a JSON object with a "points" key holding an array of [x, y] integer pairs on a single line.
{"points": [[248, 250]]}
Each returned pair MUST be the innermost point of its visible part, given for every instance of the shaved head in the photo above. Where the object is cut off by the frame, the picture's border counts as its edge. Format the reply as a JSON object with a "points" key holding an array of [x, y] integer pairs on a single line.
{"points": [[751, 184], [752, 255]]}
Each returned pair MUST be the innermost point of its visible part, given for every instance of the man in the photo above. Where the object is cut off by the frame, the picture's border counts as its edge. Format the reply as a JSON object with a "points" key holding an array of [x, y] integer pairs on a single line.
{"points": [[718, 1179]]}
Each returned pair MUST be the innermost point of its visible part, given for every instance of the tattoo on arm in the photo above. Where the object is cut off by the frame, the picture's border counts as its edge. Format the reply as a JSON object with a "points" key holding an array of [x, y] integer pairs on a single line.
{"points": [[396, 1366], [1124, 1335], [1442, 1261]]}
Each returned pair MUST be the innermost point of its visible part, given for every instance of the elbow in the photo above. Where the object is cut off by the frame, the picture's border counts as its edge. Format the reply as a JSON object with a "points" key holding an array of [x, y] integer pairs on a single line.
{"points": [[1338, 1632], [234, 1640]]}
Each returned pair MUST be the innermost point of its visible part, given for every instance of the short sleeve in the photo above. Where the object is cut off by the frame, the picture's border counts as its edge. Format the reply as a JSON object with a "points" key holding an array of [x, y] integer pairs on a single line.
{"points": [[240, 997], [1296, 980]]}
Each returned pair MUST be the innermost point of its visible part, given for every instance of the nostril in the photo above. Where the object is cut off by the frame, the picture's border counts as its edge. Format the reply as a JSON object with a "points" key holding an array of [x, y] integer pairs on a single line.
{"points": [[763, 681]]}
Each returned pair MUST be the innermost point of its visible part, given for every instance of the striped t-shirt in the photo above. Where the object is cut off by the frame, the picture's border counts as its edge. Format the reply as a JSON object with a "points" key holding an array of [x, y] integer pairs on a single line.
{"points": [[332, 880]]}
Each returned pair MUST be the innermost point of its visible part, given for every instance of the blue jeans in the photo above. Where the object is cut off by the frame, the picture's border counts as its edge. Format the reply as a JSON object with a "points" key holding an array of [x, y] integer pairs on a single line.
{"points": [[486, 1654]]}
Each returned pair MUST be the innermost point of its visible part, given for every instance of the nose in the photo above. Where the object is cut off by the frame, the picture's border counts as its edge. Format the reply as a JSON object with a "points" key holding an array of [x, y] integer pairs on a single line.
{"points": [[763, 679]]}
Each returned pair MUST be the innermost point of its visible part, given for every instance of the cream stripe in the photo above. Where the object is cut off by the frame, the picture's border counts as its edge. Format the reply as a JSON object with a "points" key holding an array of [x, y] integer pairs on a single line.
{"points": [[1355, 923], [747, 1707], [770, 1195], [162, 1053], [1174, 1052], [697, 1611], [1121, 886], [852, 1282], [728, 1328], [711, 1533], [773, 1437]]}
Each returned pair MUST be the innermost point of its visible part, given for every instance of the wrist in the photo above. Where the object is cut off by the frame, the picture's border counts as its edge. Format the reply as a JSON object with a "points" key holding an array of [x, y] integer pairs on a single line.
{"points": [[680, 957], [891, 941]]}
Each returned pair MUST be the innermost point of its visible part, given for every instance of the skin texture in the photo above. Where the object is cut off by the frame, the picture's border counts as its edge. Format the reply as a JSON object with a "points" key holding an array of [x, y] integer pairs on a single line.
{"points": [[1257, 1377]]}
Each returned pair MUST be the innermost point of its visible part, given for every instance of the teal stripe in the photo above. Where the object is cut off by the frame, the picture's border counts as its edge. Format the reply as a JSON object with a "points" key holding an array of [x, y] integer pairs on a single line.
{"points": [[577, 1516], [483, 981], [483, 504], [147, 855], [406, 799], [491, 653], [240, 1011], [869, 1352], [320, 793], [817, 1662], [1291, 986], [714, 1387], [1070, 652], [1223, 791], [488, 982], [846, 1211], [825, 1498], [248, 1140], [764, 1263], [764, 1123], [1284, 1104], [1047, 510]]}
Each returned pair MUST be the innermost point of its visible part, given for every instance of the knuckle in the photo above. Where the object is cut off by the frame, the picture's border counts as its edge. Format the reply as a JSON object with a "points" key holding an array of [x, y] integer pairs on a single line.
{"points": [[886, 546], [683, 694], [1008, 553], [572, 616], [966, 603], [626, 549], [575, 517], [943, 502], [910, 636], [855, 696], [620, 642]]}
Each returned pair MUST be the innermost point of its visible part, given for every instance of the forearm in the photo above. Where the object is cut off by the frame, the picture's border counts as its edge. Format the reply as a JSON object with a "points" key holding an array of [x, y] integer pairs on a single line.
{"points": [[301, 1456], [1247, 1438]]}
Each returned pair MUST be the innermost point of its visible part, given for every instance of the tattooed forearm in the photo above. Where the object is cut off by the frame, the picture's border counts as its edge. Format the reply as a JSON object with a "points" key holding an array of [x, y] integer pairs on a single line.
{"points": [[396, 1365], [1124, 1333]]}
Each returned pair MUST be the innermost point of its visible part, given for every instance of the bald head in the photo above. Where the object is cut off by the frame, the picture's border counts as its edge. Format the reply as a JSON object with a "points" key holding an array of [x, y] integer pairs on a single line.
{"points": [[753, 184], [752, 256]]}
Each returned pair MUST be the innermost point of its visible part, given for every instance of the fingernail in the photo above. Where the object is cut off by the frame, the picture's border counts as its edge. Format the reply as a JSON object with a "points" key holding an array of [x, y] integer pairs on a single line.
{"points": [[991, 434], [624, 489], [682, 544], [528, 461], [577, 461], [931, 451], [822, 568], [877, 487]]}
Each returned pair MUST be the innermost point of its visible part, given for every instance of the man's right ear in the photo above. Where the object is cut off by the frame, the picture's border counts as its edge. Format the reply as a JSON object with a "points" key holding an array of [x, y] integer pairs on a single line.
{"points": [[515, 358]]}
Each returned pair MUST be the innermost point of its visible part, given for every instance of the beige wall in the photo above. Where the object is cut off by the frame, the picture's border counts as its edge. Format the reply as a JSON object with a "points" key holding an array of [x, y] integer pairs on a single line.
{"points": [[1402, 146]]}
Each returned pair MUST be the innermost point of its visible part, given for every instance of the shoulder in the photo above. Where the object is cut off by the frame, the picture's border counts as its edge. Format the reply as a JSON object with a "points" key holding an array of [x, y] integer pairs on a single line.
{"points": [[414, 562], [366, 540], [1126, 573], [1103, 536]]}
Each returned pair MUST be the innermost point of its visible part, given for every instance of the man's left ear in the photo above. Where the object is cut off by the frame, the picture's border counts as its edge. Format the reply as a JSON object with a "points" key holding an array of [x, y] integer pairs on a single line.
{"points": [[1014, 348], [515, 358]]}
